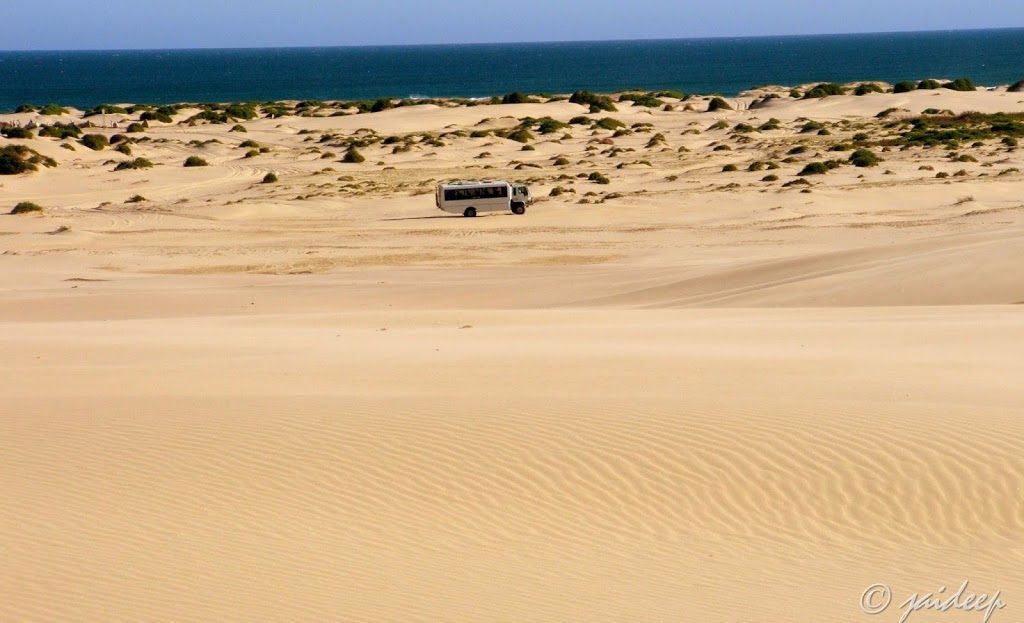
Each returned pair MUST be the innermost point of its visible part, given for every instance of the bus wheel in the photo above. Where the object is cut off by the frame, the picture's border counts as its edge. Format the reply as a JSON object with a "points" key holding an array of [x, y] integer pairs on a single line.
{"points": [[470, 212], [518, 209]]}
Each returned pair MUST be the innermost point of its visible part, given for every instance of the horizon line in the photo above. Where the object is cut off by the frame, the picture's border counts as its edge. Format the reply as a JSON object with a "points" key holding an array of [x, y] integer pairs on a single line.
{"points": [[485, 43]]}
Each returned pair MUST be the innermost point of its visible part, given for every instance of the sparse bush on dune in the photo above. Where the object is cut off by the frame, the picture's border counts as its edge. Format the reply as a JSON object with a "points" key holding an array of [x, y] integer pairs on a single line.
{"points": [[238, 127], [1017, 87], [95, 142], [241, 111], [249, 143], [961, 84], [26, 207], [53, 109], [518, 98], [522, 135], [124, 148], [352, 156], [60, 130], [135, 128], [196, 161], [867, 87], [596, 103], [771, 124], [25, 108], [269, 178], [825, 89], [864, 158], [929, 85], [718, 103], [16, 159], [905, 86], [105, 109], [609, 123], [17, 132], [138, 163], [729, 168], [136, 199], [383, 103], [641, 99], [598, 178], [815, 168]]}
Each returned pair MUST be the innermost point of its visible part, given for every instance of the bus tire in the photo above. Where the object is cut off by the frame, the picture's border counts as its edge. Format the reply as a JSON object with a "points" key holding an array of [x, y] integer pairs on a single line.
{"points": [[518, 208], [469, 213]]}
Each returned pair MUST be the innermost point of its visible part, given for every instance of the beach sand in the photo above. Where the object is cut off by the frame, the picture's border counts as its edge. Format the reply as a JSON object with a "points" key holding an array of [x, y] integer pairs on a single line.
{"points": [[703, 397]]}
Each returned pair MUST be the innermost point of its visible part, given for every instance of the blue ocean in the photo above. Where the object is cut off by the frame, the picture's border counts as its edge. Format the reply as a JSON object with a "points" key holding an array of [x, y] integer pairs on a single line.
{"points": [[725, 66]]}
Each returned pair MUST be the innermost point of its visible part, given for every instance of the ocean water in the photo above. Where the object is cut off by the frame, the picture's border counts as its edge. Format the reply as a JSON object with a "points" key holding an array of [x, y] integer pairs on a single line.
{"points": [[726, 66]]}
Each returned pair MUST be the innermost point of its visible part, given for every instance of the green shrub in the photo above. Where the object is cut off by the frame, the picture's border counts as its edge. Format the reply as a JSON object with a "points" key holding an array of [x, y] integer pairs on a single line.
{"points": [[383, 103], [249, 143], [814, 168], [252, 153], [579, 120], [961, 84], [771, 124], [609, 123], [678, 95], [1016, 87], [596, 103], [885, 113], [770, 178], [105, 109], [25, 108], [60, 130], [196, 161], [929, 85], [718, 103], [641, 99], [135, 128], [138, 163], [153, 115], [26, 207], [795, 94], [241, 111], [812, 126], [17, 132], [729, 168], [561, 161], [797, 182], [53, 109], [547, 125], [799, 149], [825, 89], [1009, 141], [905, 86], [867, 87], [743, 128], [238, 127], [136, 199], [522, 135], [518, 98], [125, 149], [269, 178], [718, 125], [352, 156], [95, 142], [598, 178], [864, 158]]}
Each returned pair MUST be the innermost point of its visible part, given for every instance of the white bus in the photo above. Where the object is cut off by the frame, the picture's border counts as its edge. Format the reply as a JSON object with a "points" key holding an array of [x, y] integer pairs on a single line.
{"points": [[470, 197]]}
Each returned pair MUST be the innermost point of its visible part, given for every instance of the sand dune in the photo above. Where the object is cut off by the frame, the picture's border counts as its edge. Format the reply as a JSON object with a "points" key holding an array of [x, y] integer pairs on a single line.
{"points": [[705, 398]]}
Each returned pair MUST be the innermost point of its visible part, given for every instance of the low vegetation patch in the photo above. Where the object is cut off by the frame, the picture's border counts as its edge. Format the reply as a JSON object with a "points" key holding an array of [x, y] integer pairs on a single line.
{"points": [[825, 89], [138, 163], [961, 84], [269, 178], [95, 142], [17, 132], [906, 86], [867, 87], [352, 156], [864, 158], [16, 159], [60, 130], [597, 103], [717, 103], [814, 168], [26, 207], [196, 161]]}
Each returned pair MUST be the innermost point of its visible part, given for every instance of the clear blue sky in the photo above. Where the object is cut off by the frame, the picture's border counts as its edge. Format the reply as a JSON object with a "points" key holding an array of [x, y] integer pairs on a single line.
{"points": [[114, 24]]}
